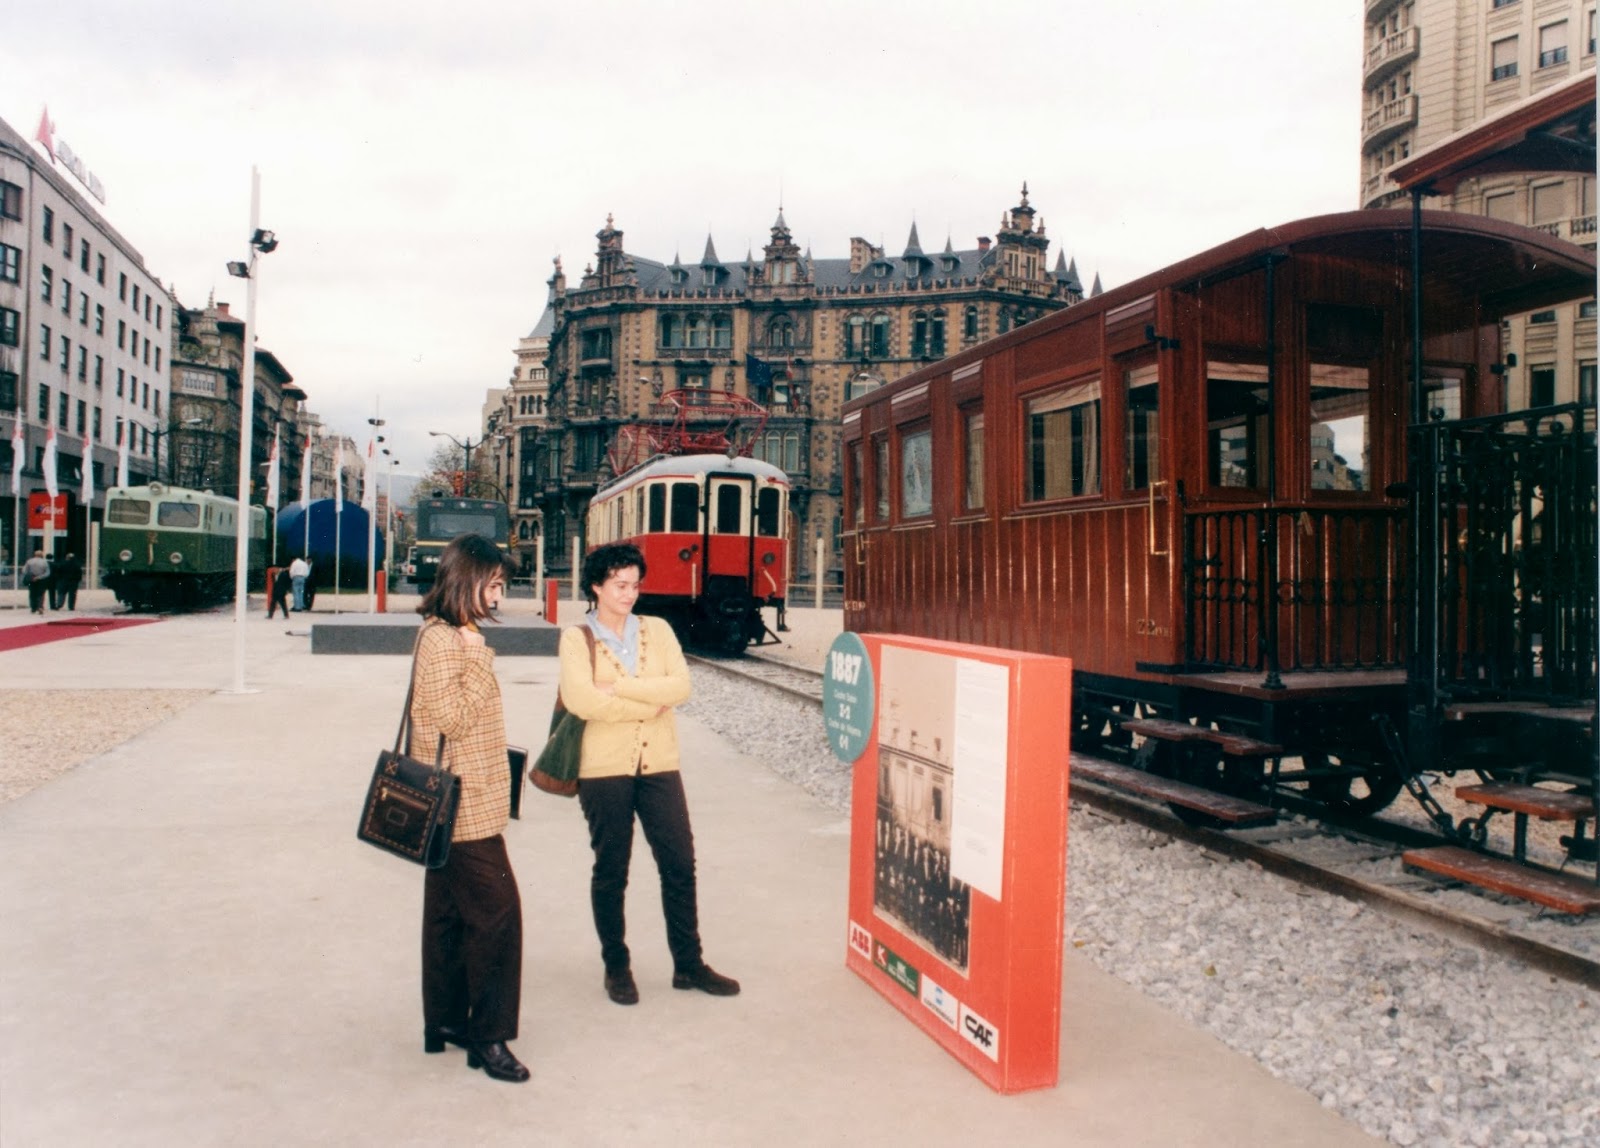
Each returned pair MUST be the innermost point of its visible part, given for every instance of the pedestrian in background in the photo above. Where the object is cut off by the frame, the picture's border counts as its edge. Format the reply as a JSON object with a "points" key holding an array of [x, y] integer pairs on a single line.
{"points": [[64, 582], [278, 593], [471, 911], [299, 571], [629, 767], [36, 577]]}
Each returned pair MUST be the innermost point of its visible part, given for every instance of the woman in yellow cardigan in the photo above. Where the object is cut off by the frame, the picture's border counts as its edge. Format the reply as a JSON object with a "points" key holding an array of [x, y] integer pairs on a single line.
{"points": [[630, 767]]}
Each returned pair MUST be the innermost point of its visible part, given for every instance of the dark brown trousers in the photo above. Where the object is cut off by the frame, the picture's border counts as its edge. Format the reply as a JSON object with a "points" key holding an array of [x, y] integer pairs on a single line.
{"points": [[472, 943], [610, 804]]}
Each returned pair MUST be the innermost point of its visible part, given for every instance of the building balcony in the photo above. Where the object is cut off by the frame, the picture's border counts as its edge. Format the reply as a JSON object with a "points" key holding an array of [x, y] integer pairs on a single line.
{"points": [[1389, 120], [1375, 8], [1390, 53], [1579, 229]]}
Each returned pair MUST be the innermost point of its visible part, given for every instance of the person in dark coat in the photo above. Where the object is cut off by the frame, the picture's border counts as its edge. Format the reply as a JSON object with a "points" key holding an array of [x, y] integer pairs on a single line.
{"points": [[278, 593], [36, 577], [64, 582]]}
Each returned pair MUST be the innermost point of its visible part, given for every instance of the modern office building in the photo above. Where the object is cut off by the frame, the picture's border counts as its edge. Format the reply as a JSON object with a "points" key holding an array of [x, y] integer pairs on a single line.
{"points": [[1435, 69]]}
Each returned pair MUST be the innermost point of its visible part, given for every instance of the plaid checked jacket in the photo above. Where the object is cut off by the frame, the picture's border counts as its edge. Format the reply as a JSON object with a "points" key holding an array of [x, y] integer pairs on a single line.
{"points": [[457, 695]]}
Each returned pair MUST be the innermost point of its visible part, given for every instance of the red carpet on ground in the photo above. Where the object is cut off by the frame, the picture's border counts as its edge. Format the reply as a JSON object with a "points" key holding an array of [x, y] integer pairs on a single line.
{"points": [[21, 637]]}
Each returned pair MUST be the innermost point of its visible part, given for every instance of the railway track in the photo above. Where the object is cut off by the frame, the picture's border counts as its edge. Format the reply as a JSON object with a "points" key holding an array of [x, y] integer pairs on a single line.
{"points": [[1361, 864]]}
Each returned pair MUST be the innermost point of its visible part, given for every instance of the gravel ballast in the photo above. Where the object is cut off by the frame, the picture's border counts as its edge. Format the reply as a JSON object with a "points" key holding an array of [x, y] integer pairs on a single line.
{"points": [[1419, 1039]]}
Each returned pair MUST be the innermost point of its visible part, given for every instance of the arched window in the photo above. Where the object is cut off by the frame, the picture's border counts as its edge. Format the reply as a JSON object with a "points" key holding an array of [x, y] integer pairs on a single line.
{"points": [[780, 333], [936, 334], [722, 331], [880, 336], [1005, 321], [697, 332], [969, 328], [919, 334]]}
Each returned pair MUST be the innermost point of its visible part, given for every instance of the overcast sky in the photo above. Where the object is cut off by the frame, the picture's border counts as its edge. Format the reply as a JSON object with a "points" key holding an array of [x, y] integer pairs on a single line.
{"points": [[422, 163]]}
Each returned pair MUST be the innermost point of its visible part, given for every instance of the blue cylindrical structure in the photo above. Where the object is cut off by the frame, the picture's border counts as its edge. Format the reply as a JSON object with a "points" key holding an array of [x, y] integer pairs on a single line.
{"points": [[346, 541]]}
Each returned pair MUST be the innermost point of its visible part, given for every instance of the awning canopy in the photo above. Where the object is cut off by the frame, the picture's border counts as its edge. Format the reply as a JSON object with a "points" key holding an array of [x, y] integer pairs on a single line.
{"points": [[1550, 131]]}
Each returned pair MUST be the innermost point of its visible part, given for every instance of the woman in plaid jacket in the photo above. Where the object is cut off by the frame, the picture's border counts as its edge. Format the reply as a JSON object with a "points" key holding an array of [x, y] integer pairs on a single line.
{"points": [[471, 912]]}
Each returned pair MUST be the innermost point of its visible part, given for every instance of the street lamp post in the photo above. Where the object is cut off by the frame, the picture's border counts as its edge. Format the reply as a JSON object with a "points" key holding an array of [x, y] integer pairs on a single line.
{"points": [[261, 243], [159, 433], [466, 463], [369, 485], [388, 515]]}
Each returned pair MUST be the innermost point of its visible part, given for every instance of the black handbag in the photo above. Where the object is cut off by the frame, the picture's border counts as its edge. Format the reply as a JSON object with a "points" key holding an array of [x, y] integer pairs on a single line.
{"points": [[556, 770], [411, 806]]}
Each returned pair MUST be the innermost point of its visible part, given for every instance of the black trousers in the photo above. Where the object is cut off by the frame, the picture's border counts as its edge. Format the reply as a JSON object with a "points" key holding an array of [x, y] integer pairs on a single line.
{"points": [[472, 943], [36, 592], [610, 804]]}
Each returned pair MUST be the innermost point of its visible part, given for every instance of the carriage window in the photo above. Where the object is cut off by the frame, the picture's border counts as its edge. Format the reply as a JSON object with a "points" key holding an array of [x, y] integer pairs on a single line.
{"points": [[1063, 444], [129, 512], [973, 446], [1236, 423], [769, 511], [658, 507], [858, 502], [729, 509], [916, 474], [685, 508], [1341, 412], [1143, 419], [179, 514], [880, 478]]}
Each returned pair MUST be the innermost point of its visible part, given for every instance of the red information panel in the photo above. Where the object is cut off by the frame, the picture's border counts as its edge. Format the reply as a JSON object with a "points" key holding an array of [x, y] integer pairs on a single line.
{"points": [[40, 505], [958, 848]]}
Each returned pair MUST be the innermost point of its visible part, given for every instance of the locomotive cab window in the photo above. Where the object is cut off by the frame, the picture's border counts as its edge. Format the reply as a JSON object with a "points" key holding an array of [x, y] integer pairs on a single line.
{"points": [[1142, 419], [1062, 451], [769, 512], [1236, 423], [128, 512], [178, 514]]}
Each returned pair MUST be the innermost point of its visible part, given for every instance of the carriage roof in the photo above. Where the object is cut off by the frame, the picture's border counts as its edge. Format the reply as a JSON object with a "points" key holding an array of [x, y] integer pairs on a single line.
{"points": [[692, 466], [1509, 269]]}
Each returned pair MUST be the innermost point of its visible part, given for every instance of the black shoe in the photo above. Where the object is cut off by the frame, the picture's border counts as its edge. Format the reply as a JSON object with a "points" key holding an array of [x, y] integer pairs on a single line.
{"points": [[496, 1060], [707, 980], [434, 1039], [621, 989]]}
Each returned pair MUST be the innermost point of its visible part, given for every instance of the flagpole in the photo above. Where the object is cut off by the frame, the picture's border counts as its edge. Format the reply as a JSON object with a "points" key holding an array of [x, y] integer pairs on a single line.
{"points": [[369, 500], [19, 446], [247, 412]]}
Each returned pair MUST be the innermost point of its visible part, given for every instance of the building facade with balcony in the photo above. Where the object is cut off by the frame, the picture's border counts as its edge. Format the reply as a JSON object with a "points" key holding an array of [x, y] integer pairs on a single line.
{"points": [[515, 418], [85, 335], [1434, 68], [797, 335]]}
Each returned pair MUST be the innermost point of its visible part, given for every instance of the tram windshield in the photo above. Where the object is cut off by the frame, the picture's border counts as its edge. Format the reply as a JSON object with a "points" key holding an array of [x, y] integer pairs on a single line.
{"points": [[128, 512], [446, 525], [178, 514]]}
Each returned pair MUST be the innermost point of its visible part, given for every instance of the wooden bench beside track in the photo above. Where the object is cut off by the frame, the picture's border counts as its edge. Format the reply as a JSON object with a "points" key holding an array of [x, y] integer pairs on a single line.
{"points": [[1558, 891], [1233, 744], [1232, 810], [1524, 801]]}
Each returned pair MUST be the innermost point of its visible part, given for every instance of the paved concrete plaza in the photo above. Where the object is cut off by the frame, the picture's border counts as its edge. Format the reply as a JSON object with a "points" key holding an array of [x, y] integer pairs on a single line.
{"points": [[196, 950]]}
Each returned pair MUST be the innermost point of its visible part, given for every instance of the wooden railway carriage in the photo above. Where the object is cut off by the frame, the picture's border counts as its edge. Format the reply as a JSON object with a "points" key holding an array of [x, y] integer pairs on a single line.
{"points": [[712, 532], [164, 547], [1197, 487]]}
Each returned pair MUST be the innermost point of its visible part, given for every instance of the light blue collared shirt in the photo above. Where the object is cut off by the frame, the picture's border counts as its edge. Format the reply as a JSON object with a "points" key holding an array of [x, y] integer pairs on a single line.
{"points": [[626, 648]]}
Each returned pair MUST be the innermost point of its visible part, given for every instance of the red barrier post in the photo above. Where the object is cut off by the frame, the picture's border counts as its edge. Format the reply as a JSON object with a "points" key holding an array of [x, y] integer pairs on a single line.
{"points": [[381, 582], [551, 591]]}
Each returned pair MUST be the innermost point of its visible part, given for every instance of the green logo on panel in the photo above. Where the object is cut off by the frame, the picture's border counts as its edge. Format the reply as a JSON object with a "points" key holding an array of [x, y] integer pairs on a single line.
{"points": [[847, 697], [900, 971]]}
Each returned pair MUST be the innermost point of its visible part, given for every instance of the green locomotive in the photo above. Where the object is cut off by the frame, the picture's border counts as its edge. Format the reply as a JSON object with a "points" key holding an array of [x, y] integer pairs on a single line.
{"points": [[165, 548]]}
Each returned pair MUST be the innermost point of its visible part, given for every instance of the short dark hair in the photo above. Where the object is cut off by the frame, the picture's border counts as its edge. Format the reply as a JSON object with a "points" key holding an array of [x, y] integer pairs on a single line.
{"points": [[465, 568], [604, 561]]}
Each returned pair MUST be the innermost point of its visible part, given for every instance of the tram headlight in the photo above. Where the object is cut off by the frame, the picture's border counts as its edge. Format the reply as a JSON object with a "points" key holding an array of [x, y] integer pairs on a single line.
{"points": [[176, 558], [685, 553], [768, 558], [125, 555]]}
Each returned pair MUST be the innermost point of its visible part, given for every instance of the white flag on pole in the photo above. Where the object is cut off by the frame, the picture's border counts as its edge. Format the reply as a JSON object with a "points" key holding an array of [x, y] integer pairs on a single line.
{"points": [[50, 463], [124, 433], [369, 488], [305, 474], [87, 493], [18, 445], [338, 477], [272, 472]]}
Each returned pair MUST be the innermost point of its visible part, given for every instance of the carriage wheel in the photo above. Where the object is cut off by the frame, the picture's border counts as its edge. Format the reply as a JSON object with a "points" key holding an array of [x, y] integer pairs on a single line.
{"points": [[1359, 795]]}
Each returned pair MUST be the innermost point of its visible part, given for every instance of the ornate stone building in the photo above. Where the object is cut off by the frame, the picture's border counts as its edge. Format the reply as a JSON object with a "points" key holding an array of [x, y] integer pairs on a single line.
{"points": [[203, 423], [514, 416], [795, 334]]}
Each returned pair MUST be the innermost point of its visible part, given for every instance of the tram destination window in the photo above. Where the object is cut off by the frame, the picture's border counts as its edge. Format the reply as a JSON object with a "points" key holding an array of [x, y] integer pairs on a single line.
{"points": [[1236, 423], [1143, 423], [1063, 443]]}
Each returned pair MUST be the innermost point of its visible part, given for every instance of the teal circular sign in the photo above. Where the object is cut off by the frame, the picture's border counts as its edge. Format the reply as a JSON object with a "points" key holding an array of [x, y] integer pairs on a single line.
{"points": [[848, 697]]}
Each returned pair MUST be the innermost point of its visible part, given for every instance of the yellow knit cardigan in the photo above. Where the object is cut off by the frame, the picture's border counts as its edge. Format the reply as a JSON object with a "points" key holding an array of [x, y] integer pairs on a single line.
{"points": [[626, 732]]}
